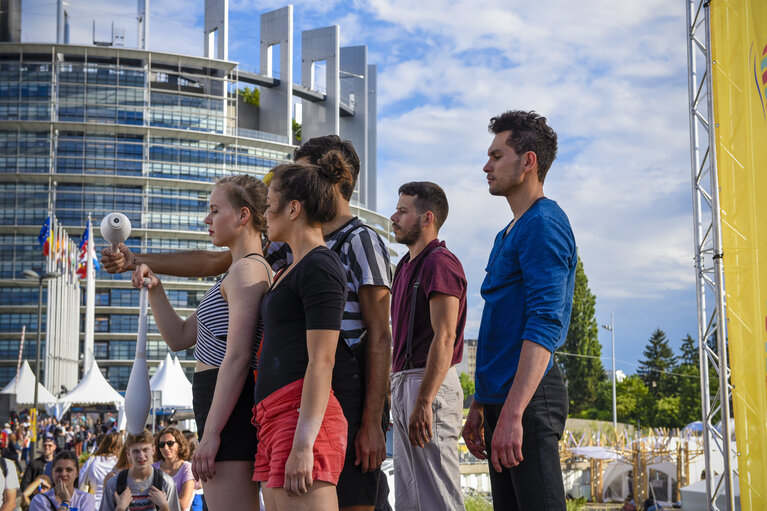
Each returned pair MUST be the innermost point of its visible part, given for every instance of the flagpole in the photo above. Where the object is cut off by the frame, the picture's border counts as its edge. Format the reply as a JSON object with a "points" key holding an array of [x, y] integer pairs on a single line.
{"points": [[50, 306], [18, 362], [90, 301]]}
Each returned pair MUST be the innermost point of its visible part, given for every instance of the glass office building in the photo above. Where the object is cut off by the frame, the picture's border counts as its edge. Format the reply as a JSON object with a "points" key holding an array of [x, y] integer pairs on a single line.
{"points": [[91, 130]]}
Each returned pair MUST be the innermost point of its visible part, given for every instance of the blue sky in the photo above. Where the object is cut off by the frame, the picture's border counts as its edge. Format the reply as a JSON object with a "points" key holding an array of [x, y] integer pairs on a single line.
{"points": [[610, 76]]}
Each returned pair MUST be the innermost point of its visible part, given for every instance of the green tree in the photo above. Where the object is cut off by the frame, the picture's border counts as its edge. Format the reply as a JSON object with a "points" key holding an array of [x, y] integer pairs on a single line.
{"points": [[658, 360], [296, 131], [689, 394], [582, 368], [250, 96], [688, 388], [467, 384], [689, 352], [634, 403], [668, 413]]}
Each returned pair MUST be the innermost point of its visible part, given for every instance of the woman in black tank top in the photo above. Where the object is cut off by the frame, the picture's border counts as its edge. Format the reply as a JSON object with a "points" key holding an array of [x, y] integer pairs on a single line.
{"points": [[225, 338]]}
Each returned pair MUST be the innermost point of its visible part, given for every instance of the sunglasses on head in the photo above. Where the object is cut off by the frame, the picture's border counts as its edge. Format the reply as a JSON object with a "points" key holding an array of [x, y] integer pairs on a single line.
{"points": [[169, 443]]}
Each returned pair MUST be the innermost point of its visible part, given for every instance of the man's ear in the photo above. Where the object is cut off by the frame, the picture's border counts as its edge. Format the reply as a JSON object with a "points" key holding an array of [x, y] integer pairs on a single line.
{"points": [[531, 162], [427, 219]]}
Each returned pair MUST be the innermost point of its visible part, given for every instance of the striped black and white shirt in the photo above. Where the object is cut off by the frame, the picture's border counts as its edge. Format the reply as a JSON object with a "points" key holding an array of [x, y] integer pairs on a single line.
{"points": [[212, 327], [366, 262]]}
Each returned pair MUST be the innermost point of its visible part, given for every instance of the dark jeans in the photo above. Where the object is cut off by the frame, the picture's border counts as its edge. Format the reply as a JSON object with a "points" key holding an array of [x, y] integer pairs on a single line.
{"points": [[536, 483], [354, 488]]}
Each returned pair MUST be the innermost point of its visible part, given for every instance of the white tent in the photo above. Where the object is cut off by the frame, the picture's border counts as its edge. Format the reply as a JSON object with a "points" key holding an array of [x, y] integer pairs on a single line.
{"points": [[157, 373], [25, 390], [93, 389], [694, 496], [171, 384]]}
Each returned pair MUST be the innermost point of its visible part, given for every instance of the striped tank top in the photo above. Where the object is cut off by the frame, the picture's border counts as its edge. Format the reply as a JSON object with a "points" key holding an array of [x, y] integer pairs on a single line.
{"points": [[212, 327]]}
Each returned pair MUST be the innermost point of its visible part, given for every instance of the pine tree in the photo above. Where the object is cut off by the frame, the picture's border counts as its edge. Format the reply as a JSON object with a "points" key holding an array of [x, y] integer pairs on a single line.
{"points": [[658, 360], [582, 370], [689, 352], [689, 384]]}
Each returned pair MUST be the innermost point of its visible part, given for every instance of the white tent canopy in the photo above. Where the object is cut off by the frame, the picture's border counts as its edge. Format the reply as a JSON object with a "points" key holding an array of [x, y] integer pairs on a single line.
{"points": [[25, 390], [694, 496], [157, 373], [93, 389], [171, 384]]}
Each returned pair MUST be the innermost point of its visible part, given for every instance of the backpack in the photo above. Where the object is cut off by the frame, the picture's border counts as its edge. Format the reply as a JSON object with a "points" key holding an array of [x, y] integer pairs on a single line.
{"points": [[122, 480]]}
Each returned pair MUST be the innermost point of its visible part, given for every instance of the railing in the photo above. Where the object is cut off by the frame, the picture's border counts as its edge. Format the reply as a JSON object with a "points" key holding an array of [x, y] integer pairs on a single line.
{"points": [[262, 135]]}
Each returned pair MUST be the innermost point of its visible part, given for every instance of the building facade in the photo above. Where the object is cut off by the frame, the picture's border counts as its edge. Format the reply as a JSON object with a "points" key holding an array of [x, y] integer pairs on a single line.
{"points": [[95, 129]]}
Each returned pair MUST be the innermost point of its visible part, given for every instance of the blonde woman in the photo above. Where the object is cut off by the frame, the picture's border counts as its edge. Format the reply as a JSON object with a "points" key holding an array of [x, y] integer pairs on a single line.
{"points": [[225, 329]]}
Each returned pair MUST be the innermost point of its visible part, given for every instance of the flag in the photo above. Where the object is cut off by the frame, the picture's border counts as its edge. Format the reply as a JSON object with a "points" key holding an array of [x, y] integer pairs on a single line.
{"points": [[86, 250], [44, 237]]}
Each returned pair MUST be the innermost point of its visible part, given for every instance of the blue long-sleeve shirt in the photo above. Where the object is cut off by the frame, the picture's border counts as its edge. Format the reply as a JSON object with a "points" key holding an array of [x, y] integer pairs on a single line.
{"points": [[528, 293]]}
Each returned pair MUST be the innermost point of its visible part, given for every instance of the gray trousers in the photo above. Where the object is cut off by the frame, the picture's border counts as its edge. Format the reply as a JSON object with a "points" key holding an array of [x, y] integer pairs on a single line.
{"points": [[430, 477]]}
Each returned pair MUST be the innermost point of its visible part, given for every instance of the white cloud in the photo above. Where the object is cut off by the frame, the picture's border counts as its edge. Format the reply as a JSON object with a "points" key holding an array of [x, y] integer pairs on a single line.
{"points": [[610, 76]]}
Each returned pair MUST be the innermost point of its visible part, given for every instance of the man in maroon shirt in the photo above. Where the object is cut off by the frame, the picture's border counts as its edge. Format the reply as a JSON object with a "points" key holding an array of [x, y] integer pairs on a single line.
{"points": [[428, 317]]}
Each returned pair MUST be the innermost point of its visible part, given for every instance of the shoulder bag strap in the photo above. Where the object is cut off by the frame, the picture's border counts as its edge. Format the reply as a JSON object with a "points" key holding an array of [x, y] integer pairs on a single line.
{"points": [[53, 504], [411, 320], [157, 480], [122, 481], [343, 239]]}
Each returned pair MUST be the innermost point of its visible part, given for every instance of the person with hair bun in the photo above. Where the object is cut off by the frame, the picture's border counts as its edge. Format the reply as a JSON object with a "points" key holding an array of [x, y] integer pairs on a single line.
{"points": [[226, 330], [301, 426]]}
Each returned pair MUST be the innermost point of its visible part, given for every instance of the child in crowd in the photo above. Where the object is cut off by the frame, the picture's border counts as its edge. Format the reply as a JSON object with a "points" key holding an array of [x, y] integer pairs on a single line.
{"points": [[64, 496], [140, 487]]}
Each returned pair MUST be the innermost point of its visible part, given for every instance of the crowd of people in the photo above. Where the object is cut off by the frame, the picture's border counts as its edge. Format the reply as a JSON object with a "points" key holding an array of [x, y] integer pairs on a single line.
{"points": [[55, 479], [307, 341]]}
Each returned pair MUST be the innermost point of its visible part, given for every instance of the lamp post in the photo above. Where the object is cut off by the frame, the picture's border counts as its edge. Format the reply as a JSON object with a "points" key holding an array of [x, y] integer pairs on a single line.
{"points": [[611, 328], [31, 274]]}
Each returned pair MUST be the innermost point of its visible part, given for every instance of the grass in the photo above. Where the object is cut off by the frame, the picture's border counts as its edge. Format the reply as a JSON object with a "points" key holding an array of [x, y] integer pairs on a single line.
{"points": [[578, 504], [477, 503]]}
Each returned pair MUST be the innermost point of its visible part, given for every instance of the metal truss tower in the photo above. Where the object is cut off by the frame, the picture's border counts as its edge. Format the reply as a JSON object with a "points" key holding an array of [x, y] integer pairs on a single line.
{"points": [[709, 275]]}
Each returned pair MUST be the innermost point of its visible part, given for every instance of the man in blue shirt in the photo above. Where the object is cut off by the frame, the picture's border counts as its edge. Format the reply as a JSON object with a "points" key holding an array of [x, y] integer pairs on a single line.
{"points": [[520, 405]]}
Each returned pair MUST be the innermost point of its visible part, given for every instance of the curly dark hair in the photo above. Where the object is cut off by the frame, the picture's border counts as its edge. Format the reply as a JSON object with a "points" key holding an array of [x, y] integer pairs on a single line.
{"points": [[315, 148], [529, 132], [183, 446]]}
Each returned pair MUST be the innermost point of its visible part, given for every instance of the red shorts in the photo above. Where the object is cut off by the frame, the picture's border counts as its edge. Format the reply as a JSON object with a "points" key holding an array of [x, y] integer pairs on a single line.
{"points": [[276, 418]]}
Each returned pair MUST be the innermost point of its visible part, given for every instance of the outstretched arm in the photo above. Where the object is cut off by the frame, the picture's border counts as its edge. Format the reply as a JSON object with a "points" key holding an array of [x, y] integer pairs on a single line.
{"points": [[190, 263], [370, 444]]}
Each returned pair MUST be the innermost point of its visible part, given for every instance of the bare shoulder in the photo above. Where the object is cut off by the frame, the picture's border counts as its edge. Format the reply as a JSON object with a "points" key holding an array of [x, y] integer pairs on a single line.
{"points": [[246, 272]]}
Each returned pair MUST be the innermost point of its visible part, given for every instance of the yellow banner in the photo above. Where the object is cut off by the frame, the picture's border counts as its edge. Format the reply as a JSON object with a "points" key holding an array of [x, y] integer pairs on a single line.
{"points": [[739, 54]]}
